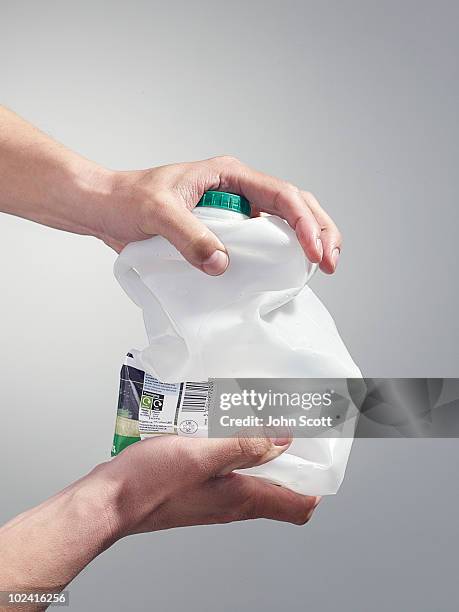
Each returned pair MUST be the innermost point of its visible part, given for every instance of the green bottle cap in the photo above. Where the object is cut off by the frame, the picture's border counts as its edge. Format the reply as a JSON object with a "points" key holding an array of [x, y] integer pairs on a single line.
{"points": [[227, 201]]}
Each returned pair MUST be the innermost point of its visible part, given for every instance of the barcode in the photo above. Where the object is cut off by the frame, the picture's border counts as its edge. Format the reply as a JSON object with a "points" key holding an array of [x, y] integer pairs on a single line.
{"points": [[195, 397]]}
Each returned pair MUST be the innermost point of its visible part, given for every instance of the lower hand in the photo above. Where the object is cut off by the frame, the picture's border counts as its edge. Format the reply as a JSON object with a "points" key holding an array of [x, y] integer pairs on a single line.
{"points": [[155, 484], [175, 482]]}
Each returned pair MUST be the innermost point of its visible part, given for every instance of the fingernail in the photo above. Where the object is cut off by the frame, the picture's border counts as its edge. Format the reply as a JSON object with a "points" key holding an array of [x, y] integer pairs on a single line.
{"points": [[216, 264], [279, 436], [280, 441], [335, 256], [320, 248]]}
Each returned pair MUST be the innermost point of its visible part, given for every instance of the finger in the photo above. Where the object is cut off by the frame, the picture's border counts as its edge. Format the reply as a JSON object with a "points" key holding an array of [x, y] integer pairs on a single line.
{"points": [[279, 504], [233, 498], [274, 196], [218, 457], [193, 239], [330, 234], [247, 497]]}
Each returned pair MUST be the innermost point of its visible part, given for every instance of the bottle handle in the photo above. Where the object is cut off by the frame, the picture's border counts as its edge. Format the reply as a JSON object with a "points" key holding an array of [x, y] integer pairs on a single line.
{"points": [[161, 330], [131, 283]]}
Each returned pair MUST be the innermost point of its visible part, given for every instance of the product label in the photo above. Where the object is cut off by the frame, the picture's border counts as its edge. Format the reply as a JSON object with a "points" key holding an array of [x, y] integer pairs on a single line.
{"points": [[308, 407], [148, 407], [180, 408]]}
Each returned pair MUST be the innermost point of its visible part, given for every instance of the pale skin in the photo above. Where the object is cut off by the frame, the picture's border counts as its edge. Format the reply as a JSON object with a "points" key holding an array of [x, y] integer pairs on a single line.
{"points": [[164, 482]]}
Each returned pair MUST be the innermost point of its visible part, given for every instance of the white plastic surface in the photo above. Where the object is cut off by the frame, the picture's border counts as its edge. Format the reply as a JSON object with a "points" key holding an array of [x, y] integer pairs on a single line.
{"points": [[257, 320]]}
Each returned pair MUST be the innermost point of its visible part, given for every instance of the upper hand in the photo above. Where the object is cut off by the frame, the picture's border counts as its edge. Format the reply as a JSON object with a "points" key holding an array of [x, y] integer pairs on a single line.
{"points": [[160, 200]]}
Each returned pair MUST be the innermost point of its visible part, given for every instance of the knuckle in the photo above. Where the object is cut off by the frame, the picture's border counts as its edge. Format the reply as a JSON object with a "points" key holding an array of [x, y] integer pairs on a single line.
{"points": [[160, 201], [290, 188], [151, 212], [200, 246], [249, 508], [229, 170], [239, 500], [284, 192], [304, 515], [332, 233], [244, 512], [302, 519], [248, 512], [311, 231], [254, 449], [228, 159], [307, 195]]}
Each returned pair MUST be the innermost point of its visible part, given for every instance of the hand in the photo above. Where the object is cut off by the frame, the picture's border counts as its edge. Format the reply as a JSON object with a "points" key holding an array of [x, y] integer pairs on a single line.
{"points": [[45, 182], [160, 200], [175, 482], [155, 484]]}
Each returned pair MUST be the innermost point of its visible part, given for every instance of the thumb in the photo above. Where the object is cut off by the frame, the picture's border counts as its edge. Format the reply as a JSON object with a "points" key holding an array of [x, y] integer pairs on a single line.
{"points": [[225, 455], [194, 240]]}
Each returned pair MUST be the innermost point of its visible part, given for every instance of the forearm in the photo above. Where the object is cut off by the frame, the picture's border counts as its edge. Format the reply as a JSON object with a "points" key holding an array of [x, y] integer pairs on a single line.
{"points": [[43, 181], [46, 547]]}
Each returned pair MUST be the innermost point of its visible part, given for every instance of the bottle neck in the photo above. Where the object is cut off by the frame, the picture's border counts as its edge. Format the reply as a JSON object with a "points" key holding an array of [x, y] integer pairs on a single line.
{"points": [[219, 214]]}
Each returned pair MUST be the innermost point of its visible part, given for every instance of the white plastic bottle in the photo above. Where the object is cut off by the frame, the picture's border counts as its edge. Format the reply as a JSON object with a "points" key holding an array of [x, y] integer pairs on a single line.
{"points": [[257, 320]]}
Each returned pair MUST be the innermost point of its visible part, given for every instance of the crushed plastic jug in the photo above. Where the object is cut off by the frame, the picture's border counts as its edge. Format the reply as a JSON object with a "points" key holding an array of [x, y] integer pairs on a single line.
{"points": [[257, 320]]}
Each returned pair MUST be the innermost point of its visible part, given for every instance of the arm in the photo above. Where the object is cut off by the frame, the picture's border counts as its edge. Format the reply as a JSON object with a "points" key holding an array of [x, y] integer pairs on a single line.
{"points": [[46, 547], [43, 181]]}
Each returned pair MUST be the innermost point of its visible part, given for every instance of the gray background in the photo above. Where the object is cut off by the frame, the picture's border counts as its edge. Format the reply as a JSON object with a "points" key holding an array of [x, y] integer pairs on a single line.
{"points": [[355, 101]]}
